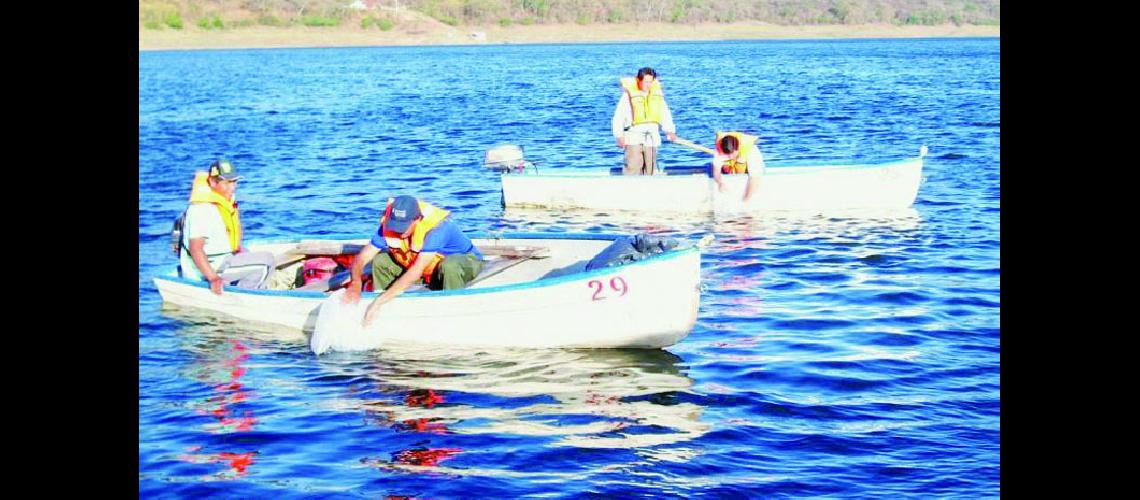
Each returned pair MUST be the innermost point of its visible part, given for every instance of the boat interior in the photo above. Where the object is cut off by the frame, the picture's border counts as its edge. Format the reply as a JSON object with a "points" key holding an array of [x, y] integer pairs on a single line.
{"points": [[506, 261]]}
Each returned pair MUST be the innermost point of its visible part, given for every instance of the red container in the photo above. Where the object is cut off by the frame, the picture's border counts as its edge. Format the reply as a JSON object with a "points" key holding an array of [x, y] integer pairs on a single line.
{"points": [[318, 269]]}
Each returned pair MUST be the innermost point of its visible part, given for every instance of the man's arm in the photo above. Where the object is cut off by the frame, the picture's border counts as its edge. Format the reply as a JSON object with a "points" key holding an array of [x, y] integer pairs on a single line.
{"points": [[411, 275], [667, 121], [198, 255], [753, 182], [366, 254], [755, 171], [623, 117], [717, 162]]}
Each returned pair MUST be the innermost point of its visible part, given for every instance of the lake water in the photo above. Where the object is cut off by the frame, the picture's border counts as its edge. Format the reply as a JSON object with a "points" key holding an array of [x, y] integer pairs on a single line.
{"points": [[834, 354]]}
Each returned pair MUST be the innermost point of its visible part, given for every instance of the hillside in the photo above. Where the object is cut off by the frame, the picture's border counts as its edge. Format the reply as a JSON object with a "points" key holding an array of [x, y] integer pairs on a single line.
{"points": [[275, 23]]}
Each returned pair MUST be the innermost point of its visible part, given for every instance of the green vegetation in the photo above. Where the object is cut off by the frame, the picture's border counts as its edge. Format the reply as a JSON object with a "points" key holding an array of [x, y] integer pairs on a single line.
{"points": [[784, 12], [319, 21], [379, 22], [151, 20], [211, 21], [269, 20], [173, 19], [207, 14]]}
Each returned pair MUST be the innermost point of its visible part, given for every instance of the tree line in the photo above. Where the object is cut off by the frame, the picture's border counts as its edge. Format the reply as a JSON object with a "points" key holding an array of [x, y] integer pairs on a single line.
{"points": [[506, 12]]}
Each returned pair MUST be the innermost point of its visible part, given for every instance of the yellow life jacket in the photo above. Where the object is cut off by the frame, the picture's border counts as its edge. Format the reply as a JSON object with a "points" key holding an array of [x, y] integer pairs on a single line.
{"points": [[740, 164], [405, 251], [646, 105], [200, 192]]}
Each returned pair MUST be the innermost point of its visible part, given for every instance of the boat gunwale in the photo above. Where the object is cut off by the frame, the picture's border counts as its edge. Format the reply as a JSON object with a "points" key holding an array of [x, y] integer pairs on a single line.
{"points": [[539, 283], [769, 169]]}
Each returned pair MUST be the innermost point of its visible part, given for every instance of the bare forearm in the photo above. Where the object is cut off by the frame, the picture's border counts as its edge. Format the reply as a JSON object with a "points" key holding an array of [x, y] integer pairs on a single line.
{"points": [[396, 288], [198, 255], [363, 257], [753, 182]]}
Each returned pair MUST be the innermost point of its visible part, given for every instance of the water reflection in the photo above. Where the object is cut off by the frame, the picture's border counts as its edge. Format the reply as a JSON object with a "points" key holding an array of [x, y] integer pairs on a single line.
{"points": [[805, 223], [604, 398], [220, 363]]}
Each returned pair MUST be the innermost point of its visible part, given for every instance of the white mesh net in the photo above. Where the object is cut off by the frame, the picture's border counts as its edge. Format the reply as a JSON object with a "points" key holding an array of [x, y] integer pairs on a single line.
{"points": [[338, 327]]}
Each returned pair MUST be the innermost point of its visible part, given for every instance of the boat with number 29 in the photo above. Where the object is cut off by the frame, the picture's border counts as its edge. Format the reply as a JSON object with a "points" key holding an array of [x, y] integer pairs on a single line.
{"points": [[534, 291]]}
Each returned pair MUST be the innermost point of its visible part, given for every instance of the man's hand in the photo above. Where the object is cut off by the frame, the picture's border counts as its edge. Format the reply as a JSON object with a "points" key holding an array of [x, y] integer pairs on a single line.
{"points": [[351, 293], [363, 257], [621, 142], [370, 313], [672, 136], [216, 285]]}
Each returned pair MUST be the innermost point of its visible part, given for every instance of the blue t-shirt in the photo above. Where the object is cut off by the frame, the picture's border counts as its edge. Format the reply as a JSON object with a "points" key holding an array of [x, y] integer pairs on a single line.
{"points": [[444, 239]]}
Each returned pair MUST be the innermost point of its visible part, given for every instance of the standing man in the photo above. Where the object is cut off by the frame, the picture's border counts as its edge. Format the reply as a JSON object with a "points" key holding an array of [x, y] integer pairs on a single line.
{"points": [[738, 153], [211, 234], [422, 243], [640, 110]]}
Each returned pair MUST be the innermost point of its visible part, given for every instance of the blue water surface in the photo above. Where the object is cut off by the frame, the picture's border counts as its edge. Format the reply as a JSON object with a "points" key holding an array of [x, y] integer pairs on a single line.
{"points": [[842, 354]]}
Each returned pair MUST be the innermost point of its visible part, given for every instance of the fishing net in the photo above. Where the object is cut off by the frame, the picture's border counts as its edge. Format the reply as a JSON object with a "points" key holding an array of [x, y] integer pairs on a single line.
{"points": [[338, 326]]}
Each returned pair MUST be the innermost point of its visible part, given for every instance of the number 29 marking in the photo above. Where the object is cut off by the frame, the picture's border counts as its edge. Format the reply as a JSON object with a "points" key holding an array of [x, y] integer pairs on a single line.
{"points": [[617, 284]]}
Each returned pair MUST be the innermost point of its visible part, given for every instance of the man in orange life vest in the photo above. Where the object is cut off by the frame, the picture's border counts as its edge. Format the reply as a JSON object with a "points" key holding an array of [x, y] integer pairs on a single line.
{"points": [[738, 153], [639, 112], [211, 234], [422, 243]]}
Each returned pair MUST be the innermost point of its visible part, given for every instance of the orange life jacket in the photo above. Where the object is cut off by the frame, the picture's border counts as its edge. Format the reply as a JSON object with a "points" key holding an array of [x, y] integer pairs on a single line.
{"points": [[405, 251], [740, 164]]}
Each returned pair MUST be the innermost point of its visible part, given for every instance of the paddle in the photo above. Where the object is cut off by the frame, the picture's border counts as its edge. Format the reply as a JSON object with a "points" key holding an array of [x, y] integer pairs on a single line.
{"points": [[691, 144]]}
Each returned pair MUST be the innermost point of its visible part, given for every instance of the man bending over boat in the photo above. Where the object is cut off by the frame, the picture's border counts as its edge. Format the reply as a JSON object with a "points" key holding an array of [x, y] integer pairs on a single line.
{"points": [[422, 243], [738, 153], [640, 110], [213, 229]]}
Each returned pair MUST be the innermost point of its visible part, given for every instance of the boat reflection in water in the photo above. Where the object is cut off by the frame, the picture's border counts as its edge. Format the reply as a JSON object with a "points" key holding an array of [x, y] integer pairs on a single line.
{"points": [[599, 398], [221, 364], [806, 223], [440, 400]]}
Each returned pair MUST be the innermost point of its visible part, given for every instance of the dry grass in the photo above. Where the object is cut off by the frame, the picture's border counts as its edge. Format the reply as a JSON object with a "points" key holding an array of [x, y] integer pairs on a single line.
{"points": [[430, 32]]}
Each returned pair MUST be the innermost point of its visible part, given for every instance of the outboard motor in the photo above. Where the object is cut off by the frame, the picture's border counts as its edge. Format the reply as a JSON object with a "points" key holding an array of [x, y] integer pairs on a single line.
{"points": [[506, 158]]}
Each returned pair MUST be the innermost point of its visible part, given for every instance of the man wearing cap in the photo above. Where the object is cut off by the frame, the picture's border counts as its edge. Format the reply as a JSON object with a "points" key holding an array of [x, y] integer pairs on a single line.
{"points": [[421, 243], [211, 234]]}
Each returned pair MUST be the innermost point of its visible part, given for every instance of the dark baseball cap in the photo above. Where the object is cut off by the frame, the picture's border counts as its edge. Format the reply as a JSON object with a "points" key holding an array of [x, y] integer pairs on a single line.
{"points": [[225, 170], [405, 209]]}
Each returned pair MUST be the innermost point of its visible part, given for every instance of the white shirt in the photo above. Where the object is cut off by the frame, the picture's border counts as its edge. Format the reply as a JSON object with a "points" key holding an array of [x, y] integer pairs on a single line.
{"points": [[204, 221], [645, 133]]}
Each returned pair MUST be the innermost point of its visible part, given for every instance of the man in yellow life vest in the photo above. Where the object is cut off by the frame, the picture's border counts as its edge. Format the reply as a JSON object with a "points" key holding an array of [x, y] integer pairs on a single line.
{"points": [[421, 243], [211, 234], [738, 153], [639, 112]]}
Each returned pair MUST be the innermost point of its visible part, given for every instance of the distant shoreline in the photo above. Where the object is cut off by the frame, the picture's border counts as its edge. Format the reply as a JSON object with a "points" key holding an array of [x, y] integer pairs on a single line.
{"points": [[192, 38]]}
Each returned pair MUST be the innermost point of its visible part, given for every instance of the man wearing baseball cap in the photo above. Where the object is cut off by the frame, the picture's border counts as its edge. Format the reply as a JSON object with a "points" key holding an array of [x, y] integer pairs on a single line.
{"points": [[421, 242], [210, 246]]}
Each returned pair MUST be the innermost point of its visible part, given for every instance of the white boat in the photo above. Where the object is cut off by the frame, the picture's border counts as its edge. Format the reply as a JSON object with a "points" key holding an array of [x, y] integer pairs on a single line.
{"points": [[534, 291], [889, 185]]}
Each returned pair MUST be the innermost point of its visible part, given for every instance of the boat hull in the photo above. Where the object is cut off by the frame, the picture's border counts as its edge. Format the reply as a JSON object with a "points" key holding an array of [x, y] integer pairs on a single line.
{"points": [[650, 303], [875, 186]]}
